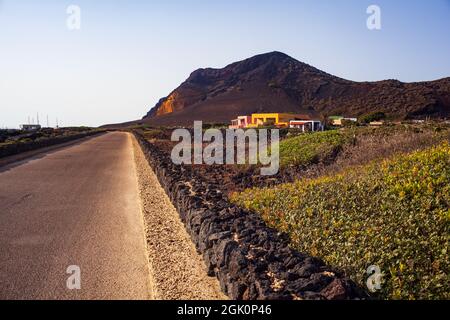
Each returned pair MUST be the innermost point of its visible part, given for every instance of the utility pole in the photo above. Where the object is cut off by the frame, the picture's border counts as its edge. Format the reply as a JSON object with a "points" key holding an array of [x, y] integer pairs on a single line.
{"points": [[37, 118], [48, 126]]}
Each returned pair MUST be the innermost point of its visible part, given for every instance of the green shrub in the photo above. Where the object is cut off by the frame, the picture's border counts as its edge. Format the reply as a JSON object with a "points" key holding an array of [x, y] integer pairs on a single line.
{"points": [[394, 214], [305, 149], [375, 116]]}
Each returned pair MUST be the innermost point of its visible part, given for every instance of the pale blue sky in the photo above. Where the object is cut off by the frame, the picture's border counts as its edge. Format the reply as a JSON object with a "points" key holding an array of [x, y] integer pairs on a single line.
{"points": [[128, 54]]}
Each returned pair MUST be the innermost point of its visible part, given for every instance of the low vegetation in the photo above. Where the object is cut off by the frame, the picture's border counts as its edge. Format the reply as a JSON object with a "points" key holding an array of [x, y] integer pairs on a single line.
{"points": [[391, 213], [368, 144], [357, 197], [305, 149], [374, 116], [20, 136], [337, 149], [18, 141]]}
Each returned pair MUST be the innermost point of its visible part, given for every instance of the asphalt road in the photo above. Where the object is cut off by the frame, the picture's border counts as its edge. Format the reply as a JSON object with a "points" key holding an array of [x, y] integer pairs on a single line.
{"points": [[76, 206]]}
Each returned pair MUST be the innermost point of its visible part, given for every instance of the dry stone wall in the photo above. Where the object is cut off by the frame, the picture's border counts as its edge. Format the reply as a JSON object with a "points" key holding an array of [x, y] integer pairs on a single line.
{"points": [[250, 260]]}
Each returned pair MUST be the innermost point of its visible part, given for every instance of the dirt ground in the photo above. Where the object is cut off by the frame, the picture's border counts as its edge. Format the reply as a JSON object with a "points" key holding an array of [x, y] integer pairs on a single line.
{"points": [[177, 270]]}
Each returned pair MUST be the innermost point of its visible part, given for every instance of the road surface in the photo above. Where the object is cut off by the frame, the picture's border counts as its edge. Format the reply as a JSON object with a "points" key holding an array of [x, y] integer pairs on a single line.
{"points": [[77, 206]]}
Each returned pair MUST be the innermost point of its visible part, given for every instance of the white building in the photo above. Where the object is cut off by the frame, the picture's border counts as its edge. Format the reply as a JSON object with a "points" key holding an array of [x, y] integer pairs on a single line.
{"points": [[306, 125], [30, 127]]}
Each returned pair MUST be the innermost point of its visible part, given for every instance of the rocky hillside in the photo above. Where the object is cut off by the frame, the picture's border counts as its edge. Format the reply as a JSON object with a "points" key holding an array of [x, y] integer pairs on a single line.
{"points": [[275, 82]]}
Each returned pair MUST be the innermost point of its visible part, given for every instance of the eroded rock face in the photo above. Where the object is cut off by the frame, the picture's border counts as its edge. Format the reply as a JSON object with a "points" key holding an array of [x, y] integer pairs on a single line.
{"points": [[250, 260]]}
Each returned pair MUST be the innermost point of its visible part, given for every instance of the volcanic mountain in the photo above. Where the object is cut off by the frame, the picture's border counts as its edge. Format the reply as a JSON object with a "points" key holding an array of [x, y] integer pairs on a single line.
{"points": [[275, 82]]}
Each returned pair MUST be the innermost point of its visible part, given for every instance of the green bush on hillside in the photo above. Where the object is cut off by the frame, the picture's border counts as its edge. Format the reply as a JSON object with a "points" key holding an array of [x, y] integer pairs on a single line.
{"points": [[375, 116], [394, 214], [305, 149]]}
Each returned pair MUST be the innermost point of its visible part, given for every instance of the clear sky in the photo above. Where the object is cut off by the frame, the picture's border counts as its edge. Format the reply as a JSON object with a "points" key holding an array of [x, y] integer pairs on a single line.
{"points": [[130, 53]]}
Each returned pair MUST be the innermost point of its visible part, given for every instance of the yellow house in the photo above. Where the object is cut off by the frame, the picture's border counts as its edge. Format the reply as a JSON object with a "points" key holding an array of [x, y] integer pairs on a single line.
{"points": [[275, 119]]}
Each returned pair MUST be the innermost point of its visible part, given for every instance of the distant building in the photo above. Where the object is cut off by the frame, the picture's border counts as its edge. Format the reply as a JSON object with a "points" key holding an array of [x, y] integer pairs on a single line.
{"points": [[275, 119], [376, 123], [306, 125], [241, 122], [336, 120], [339, 120], [30, 127], [280, 120]]}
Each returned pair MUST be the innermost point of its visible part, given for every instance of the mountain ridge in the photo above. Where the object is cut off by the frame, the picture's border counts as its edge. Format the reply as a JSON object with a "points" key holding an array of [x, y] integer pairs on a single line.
{"points": [[276, 82]]}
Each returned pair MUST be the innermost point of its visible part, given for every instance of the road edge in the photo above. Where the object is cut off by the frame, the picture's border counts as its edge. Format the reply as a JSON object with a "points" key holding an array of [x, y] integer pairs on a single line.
{"points": [[189, 279]]}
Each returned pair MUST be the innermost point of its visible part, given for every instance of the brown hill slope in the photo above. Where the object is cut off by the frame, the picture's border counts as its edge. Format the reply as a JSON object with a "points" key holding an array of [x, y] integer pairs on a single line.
{"points": [[275, 82]]}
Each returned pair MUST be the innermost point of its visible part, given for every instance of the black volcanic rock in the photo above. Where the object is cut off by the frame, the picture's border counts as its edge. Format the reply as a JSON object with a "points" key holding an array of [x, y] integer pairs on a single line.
{"points": [[275, 82]]}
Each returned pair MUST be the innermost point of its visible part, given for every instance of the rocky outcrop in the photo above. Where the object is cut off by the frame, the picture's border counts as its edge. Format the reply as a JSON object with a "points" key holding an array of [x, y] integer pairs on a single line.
{"points": [[250, 260]]}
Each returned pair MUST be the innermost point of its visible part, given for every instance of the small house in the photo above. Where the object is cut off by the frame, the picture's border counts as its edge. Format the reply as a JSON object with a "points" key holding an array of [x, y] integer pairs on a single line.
{"points": [[339, 120], [281, 120], [30, 127], [306, 125], [241, 122]]}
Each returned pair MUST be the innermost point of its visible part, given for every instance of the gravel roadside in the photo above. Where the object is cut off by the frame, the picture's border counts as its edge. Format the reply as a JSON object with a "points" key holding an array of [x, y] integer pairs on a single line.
{"points": [[178, 272]]}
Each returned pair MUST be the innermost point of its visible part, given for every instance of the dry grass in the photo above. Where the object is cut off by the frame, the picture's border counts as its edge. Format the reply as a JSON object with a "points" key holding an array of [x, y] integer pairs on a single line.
{"points": [[372, 144]]}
